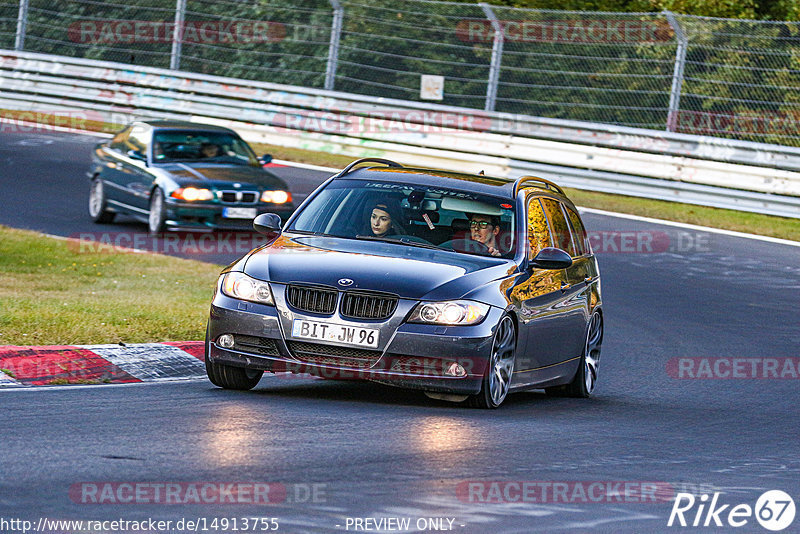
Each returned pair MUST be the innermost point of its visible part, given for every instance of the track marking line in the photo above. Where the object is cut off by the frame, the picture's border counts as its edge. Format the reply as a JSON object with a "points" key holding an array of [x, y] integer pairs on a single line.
{"points": [[692, 227], [305, 166]]}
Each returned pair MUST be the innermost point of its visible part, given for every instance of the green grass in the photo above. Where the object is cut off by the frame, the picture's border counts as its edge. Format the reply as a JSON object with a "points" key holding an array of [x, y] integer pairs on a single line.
{"points": [[53, 294]]}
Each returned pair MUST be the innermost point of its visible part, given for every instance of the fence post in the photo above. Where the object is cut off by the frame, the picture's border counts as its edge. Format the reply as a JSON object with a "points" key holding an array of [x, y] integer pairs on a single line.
{"points": [[22, 25], [497, 56], [677, 73], [333, 48], [177, 36]]}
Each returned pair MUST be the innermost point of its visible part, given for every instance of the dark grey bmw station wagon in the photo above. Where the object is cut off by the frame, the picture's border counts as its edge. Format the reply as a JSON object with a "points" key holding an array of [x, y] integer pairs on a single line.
{"points": [[464, 286]]}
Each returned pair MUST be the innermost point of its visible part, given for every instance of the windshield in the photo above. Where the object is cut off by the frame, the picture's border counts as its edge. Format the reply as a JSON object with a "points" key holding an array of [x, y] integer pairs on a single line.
{"points": [[412, 215], [207, 147]]}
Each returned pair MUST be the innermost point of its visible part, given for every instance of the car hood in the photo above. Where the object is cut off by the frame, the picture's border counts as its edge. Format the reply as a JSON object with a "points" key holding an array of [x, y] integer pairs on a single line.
{"points": [[410, 272], [218, 175]]}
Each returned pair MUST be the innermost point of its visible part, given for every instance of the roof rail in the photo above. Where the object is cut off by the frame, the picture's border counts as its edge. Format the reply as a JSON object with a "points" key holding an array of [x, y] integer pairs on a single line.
{"points": [[520, 183], [349, 168]]}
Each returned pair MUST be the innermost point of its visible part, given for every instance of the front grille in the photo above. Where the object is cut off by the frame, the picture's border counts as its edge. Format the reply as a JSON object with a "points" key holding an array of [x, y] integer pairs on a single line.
{"points": [[334, 355], [368, 305], [320, 300], [246, 197], [255, 345]]}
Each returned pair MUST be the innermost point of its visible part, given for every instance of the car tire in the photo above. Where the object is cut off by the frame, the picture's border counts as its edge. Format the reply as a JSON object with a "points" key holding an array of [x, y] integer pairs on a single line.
{"points": [[156, 219], [585, 379], [500, 369], [98, 204], [229, 377]]}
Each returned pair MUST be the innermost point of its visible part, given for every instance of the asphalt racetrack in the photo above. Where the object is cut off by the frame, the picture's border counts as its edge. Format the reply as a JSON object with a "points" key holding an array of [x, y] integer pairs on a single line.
{"points": [[696, 394]]}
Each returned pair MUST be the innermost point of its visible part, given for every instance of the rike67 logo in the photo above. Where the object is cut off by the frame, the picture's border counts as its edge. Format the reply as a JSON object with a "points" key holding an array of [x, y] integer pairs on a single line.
{"points": [[774, 510]]}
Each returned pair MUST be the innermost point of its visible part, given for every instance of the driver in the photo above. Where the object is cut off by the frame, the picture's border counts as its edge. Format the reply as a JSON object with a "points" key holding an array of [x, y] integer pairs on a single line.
{"points": [[484, 229], [210, 150], [384, 220]]}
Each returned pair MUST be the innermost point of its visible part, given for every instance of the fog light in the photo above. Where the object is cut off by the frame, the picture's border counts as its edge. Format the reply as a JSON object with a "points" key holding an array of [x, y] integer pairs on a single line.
{"points": [[225, 341], [455, 369]]}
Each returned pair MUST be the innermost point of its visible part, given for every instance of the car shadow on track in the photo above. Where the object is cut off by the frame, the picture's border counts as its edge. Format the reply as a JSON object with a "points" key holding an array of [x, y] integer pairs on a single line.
{"points": [[314, 389]]}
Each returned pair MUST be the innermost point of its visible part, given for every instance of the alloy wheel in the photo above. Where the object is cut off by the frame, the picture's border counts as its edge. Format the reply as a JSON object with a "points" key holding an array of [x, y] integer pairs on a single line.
{"points": [[594, 338], [502, 362], [96, 198]]}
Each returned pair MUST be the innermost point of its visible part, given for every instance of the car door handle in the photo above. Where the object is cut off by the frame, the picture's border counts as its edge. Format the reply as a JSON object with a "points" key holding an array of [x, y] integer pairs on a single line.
{"points": [[564, 286]]}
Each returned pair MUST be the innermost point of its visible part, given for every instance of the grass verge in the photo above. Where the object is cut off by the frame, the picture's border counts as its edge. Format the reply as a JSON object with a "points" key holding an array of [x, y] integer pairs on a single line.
{"points": [[51, 294]]}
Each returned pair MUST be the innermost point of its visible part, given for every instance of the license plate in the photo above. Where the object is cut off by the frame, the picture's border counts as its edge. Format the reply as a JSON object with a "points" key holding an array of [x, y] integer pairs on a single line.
{"points": [[352, 335], [239, 213]]}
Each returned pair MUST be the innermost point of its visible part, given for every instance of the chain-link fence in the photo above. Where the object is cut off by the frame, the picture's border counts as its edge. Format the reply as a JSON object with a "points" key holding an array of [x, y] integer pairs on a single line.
{"points": [[729, 78]]}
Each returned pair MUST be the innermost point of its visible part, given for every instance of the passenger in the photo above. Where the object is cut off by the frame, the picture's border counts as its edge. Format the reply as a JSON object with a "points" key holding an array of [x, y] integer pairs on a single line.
{"points": [[484, 229], [385, 220]]}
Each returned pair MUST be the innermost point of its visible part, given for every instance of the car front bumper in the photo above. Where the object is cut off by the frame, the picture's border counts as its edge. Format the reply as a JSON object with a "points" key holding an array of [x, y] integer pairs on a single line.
{"points": [[413, 356], [186, 216]]}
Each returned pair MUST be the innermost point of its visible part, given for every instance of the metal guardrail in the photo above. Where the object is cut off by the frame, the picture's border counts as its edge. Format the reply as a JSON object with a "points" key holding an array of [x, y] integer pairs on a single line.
{"points": [[654, 164]]}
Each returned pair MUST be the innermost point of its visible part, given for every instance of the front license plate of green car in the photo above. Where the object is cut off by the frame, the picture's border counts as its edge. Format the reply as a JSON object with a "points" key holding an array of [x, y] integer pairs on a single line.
{"points": [[352, 335], [239, 213]]}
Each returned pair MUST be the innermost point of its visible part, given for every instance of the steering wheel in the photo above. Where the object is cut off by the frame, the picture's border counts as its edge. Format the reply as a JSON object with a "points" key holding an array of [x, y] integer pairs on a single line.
{"points": [[466, 245], [410, 238]]}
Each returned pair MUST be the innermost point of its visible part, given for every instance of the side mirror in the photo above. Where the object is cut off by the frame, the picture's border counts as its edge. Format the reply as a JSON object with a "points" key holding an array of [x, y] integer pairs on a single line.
{"points": [[268, 224], [266, 158], [135, 154], [551, 258]]}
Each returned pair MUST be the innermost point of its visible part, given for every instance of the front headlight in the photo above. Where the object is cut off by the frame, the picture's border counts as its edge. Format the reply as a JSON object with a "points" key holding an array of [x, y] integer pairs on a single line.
{"points": [[192, 194], [276, 197], [241, 286], [452, 312]]}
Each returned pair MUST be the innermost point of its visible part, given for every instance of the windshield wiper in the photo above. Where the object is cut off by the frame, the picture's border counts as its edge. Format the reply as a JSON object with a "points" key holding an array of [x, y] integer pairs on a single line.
{"points": [[307, 232], [401, 240]]}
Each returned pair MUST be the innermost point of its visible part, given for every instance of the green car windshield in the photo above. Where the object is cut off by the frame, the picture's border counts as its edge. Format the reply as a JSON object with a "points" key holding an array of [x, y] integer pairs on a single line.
{"points": [[205, 147], [413, 215]]}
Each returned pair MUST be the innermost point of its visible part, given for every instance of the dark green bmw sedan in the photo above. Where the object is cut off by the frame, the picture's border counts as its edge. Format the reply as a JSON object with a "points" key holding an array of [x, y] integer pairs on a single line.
{"points": [[183, 176]]}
